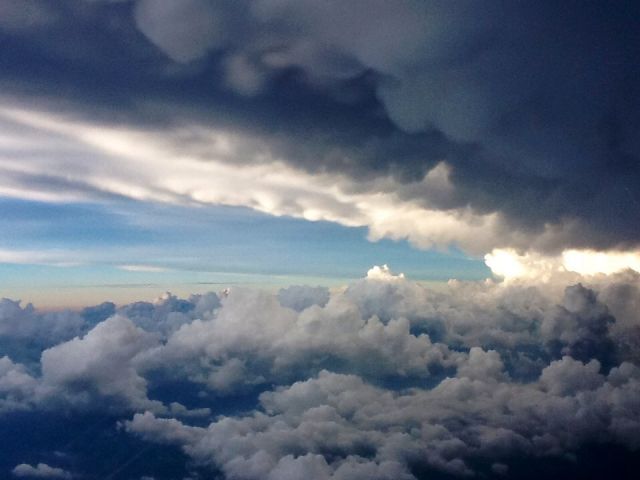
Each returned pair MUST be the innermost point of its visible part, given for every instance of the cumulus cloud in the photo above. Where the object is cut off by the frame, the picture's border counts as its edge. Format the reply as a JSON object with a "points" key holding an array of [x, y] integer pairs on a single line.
{"points": [[253, 339], [571, 264], [17, 386], [299, 298], [41, 470], [168, 313], [385, 378], [24, 331], [383, 273], [17, 322], [100, 364], [337, 426]]}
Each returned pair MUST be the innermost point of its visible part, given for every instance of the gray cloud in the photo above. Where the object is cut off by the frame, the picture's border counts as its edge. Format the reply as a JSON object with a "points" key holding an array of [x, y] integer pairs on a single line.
{"points": [[253, 340], [336, 426], [17, 322], [168, 313], [99, 365], [521, 125], [16, 16], [299, 298], [41, 470], [185, 31], [24, 331], [383, 379], [17, 386], [524, 104]]}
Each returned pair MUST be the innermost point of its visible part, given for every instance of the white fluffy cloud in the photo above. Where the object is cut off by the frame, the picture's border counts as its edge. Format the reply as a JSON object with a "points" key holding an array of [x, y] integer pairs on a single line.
{"points": [[569, 265], [254, 339], [383, 273], [378, 380], [102, 364], [337, 426], [210, 173]]}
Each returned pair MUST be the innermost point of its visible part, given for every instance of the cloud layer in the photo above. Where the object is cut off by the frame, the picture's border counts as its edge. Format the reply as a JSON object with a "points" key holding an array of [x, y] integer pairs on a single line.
{"points": [[505, 129], [382, 379], [506, 125]]}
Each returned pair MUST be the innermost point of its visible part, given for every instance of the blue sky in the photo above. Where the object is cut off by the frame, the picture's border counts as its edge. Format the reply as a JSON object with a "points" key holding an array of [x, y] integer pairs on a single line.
{"points": [[128, 249], [276, 144]]}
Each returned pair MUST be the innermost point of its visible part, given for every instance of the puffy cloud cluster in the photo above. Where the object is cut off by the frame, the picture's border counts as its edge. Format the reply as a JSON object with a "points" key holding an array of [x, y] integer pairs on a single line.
{"points": [[100, 363], [24, 332], [17, 322], [253, 339], [168, 313], [16, 386], [338, 426], [383, 379]]}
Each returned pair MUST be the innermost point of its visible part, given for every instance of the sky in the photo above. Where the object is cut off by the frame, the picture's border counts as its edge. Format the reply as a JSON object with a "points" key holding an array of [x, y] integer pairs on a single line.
{"points": [[65, 255], [273, 239]]}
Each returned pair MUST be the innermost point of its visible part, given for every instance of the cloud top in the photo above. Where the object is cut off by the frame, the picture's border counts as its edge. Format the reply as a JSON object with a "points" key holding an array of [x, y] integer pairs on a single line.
{"points": [[384, 378]]}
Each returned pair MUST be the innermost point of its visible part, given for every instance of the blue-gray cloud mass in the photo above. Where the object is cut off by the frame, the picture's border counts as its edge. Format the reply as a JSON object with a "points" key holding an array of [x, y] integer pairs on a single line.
{"points": [[384, 379], [533, 107]]}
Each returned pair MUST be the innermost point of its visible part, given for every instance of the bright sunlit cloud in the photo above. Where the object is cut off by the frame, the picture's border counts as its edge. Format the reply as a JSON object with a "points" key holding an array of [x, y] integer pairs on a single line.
{"points": [[589, 262], [383, 273], [511, 265], [155, 166]]}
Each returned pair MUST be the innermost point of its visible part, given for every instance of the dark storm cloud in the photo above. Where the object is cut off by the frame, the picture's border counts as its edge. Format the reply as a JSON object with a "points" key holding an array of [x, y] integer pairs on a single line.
{"points": [[533, 107]]}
